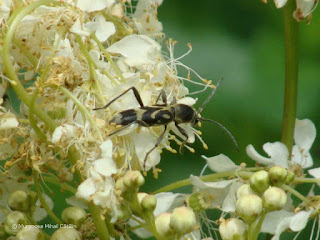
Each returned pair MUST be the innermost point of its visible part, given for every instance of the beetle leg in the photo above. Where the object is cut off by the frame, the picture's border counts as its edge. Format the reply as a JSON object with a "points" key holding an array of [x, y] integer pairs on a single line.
{"points": [[120, 129], [155, 146], [135, 92], [163, 96], [185, 134]]}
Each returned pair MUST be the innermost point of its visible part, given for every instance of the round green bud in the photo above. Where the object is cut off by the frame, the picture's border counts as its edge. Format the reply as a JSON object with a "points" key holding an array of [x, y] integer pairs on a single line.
{"points": [[66, 234], [14, 222], [149, 202], [290, 177], [30, 234], [141, 195], [244, 189], [249, 207], [274, 198], [19, 201], [233, 229], [277, 175], [162, 223], [74, 215], [259, 181], [183, 220], [133, 179]]}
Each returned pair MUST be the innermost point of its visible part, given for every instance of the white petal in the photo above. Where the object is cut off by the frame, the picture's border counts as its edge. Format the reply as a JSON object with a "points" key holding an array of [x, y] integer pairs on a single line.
{"points": [[280, 3], [57, 134], [106, 149], [101, 27], [253, 154], [137, 49], [187, 127], [91, 6], [220, 163], [229, 203], [164, 201], [160, 73], [40, 213], [278, 152], [304, 134], [86, 189], [188, 101], [299, 221], [315, 172], [144, 141], [197, 182], [9, 122], [273, 219], [74, 201], [301, 158], [80, 29], [105, 166]]}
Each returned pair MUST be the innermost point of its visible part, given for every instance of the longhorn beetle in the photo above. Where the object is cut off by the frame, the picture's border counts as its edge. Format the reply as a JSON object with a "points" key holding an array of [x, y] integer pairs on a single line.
{"points": [[161, 114]]}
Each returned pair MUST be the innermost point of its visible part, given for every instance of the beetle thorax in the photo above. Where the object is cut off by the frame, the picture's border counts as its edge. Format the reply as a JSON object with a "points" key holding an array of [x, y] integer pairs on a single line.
{"points": [[184, 113]]}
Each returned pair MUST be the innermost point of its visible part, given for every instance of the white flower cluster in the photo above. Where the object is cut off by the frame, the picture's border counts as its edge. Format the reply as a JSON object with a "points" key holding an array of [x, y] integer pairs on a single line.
{"points": [[262, 200], [72, 57]]}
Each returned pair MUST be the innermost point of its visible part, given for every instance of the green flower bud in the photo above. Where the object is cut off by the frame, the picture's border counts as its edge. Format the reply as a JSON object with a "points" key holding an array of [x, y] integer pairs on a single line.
{"points": [[74, 215], [277, 175], [30, 234], [149, 202], [133, 179], [249, 207], [19, 201], [183, 220], [66, 234], [290, 177], [162, 223], [141, 195], [259, 181], [245, 189], [233, 229], [274, 198], [14, 222]]}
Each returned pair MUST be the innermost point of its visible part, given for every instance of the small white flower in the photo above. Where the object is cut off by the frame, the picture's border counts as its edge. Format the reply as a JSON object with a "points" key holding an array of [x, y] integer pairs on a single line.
{"points": [[102, 28], [5, 7], [91, 6], [8, 121], [304, 136], [304, 8]]}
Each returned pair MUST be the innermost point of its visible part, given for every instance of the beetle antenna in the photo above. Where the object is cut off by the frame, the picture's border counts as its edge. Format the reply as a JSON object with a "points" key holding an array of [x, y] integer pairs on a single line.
{"points": [[209, 98], [224, 128]]}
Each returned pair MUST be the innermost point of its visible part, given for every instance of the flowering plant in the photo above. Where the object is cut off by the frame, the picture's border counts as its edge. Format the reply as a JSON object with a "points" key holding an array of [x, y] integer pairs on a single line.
{"points": [[99, 102]]}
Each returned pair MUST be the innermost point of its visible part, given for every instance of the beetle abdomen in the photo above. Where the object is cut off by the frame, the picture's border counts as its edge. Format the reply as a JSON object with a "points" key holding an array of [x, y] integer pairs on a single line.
{"points": [[156, 116], [125, 117]]}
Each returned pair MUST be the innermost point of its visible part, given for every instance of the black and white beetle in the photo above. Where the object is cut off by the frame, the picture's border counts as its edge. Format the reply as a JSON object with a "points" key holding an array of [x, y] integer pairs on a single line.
{"points": [[161, 114]]}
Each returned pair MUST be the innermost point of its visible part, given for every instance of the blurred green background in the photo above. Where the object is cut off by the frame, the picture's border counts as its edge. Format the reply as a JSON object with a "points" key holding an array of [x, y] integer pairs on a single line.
{"points": [[243, 42]]}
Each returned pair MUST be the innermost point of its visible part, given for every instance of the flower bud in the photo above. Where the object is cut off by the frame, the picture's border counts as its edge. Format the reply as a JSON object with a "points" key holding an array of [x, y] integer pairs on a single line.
{"points": [[30, 234], [14, 222], [274, 198], [74, 215], [259, 181], [249, 207], [66, 234], [149, 202], [277, 175], [162, 223], [19, 201], [245, 189], [141, 195], [183, 220], [290, 177], [133, 179], [233, 229]]}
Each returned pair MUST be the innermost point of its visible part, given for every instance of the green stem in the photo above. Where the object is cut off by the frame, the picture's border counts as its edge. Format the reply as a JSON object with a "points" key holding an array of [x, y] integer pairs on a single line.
{"points": [[57, 182], [101, 227], [306, 180], [245, 174], [296, 193], [8, 67], [255, 228], [291, 38], [42, 199]]}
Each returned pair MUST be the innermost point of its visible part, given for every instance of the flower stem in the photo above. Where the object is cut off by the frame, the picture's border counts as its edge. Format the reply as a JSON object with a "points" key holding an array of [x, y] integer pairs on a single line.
{"points": [[296, 193], [291, 38], [245, 174]]}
